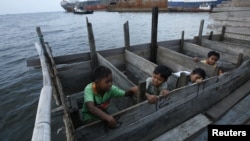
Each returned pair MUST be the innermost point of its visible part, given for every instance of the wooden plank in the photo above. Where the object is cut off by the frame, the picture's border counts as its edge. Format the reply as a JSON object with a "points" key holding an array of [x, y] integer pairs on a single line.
{"points": [[76, 82], [172, 59], [219, 109], [134, 74], [230, 9], [223, 47], [237, 14], [141, 63], [64, 59], [185, 129], [239, 114], [237, 36], [41, 131]]}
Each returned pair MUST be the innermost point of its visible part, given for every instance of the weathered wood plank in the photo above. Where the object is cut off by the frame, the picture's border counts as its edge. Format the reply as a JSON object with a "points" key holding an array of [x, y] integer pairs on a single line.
{"points": [[237, 14], [185, 129], [230, 9], [64, 59], [179, 62], [219, 109], [141, 63], [237, 36], [223, 47], [41, 131], [239, 114]]}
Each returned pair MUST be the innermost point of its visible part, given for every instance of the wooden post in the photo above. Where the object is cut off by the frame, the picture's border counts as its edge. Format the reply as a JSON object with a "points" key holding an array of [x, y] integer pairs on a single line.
{"points": [[240, 58], [93, 55], [182, 80], [222, 33], [141, 91], [211, 35], [200, 32], [126, 35], [182, 41], [153, 47], [40, 35]]}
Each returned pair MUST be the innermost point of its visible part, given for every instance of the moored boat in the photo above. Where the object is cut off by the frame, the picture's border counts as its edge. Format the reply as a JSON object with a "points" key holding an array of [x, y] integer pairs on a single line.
{"points": [[82, 11], [193, 5], [68, 5], [130, 65]]}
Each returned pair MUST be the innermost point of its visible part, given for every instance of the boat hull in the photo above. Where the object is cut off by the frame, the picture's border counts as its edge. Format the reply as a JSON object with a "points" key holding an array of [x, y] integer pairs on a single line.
{"points": [[192, 5], [87, 5]]}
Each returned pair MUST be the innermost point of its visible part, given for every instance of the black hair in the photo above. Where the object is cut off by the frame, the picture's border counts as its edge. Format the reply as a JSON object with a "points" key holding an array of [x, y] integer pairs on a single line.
{"points": [[213, 53], [101, 72], [200, 72], [164, 71]]}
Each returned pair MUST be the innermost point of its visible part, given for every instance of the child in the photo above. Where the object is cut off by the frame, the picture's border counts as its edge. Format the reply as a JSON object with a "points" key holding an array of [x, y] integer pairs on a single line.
{"points": [[157, 84], [197, 75], [97, 97], [212, 58]]}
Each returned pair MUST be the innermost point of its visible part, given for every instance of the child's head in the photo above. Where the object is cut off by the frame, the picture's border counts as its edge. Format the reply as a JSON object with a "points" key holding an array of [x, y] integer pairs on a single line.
{"points": [[103, 78], [212, 57], [196, 74], [160, 75]]}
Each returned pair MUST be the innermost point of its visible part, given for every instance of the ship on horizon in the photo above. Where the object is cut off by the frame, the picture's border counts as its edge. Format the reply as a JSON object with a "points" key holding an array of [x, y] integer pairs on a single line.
{"points": [[142, 5]]}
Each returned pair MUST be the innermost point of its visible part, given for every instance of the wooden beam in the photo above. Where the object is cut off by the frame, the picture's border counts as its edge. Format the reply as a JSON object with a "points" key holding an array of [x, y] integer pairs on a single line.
{"points": [[200, 32], [153, 52], [222, 107], [92, 45], [186, 129], [141, 63], [126, 35], [42, 129], [182, 41]]}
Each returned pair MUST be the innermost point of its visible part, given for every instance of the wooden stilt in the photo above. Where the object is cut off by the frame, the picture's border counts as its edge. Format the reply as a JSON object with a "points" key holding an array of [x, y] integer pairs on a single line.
{"points": [[126, 35], [92, 47], [211, 35], [182, 41], [222, 33], [200, 33], [153, 47]]}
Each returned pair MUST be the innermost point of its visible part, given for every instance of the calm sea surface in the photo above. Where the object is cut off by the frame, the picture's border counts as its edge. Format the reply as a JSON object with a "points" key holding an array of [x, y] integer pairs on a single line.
{"points": [[66, 33]]}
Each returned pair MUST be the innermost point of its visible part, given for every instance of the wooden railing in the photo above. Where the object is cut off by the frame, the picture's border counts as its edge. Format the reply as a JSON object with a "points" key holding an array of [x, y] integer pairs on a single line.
{"points": [[42, 129]]}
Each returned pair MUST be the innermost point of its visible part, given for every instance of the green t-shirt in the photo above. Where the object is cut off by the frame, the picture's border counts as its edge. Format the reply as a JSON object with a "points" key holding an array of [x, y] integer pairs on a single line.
{"points": [[99, 101]]}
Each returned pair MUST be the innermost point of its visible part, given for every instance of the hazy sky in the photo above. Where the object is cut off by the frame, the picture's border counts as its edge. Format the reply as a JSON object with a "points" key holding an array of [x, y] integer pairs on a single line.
{"points": [[29, 6]]}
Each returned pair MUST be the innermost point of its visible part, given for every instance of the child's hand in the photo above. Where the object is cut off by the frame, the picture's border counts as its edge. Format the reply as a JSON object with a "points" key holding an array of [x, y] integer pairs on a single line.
{"points": [[152, 99], [111, 122], [164, 92], [198, 81]]}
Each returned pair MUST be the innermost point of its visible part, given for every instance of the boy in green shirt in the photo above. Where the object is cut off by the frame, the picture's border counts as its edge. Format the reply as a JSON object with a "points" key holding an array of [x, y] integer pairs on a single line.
{"points": [[97, 97]]}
